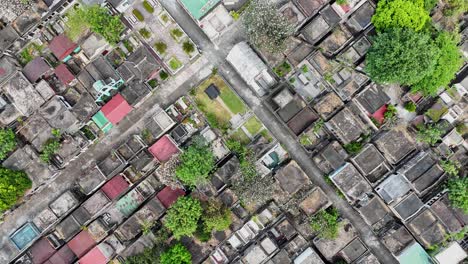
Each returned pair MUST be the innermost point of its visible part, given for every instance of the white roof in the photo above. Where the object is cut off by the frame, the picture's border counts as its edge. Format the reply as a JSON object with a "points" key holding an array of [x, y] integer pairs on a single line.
{"points": [[453, 254], [309, 256]]}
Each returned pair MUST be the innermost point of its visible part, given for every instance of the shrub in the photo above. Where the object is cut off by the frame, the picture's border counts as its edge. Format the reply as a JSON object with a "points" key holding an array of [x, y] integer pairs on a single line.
{"points": [[216, 216], [176, 33], [145, 33], [148, 7], [196, 162], [430, 134], [161, 47], [450, 167], [235, 15], [152, 83], [458, 192], [325, 223], [128, 45], [188, 47], [182, 217], [151, 255], [341, 2], [353, 147], [138, 15], [390, 112], [50, 147], [410, 106], [7, 142], [13, 186], [177, 254], [163, 75], [174, 63]]}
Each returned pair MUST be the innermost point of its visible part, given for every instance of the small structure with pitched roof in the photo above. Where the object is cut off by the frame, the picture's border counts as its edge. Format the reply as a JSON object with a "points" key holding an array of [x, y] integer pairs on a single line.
{"points": [[36, 69], [164, 149], [62, 47], [116, 109]]}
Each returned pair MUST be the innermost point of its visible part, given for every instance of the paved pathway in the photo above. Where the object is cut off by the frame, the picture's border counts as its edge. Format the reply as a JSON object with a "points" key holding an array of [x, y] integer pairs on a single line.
{"points": [[276, 127]]}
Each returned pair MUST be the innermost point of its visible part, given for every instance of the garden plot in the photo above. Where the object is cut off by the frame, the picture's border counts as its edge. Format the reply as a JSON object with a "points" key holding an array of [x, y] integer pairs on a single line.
{"points": [[162, 33]]}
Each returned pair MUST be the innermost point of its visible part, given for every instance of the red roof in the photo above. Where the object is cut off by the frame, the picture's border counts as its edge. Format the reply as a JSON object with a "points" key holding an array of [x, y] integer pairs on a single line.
{"points": [[63, 256], [115, 187], [116, 109], [35, 69], [64, 75], [168, 196], [163, 149], [379, 114], [41, 251], [81, 243], [62, 46], [94, 256]]}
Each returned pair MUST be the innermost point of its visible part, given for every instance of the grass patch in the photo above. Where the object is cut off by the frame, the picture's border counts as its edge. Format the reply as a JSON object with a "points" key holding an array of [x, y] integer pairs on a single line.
{"points": [[436, 114], [264, 133], [253, 125], [232, 101], [212, 109], [240, 136], [174, 63], [138, 15], [148, 7]]}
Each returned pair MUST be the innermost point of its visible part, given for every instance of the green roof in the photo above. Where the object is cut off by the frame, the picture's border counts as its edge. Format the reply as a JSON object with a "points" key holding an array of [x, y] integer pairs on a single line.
{"points": [[415, 254], [102, 122], [199, 8]]}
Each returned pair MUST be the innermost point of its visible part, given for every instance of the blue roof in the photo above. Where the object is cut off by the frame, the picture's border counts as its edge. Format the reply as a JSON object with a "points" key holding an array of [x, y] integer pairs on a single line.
{"points": [[415, 254]]}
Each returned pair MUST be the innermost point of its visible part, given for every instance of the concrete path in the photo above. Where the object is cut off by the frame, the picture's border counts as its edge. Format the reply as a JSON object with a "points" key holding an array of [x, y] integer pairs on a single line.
{"points": [[276, 127]]}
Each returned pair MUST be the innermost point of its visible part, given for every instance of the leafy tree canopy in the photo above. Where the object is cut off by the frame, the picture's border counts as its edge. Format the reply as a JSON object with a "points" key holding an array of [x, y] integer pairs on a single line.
{"points": [[265, 27], [401, 56], [325, 223], [7, 142], [13, 184], [458, 192], [177, 254], [400, 14], [183, 216], [216, 216], [430, 134], [196, 162], [447, 64], [99, 20]]}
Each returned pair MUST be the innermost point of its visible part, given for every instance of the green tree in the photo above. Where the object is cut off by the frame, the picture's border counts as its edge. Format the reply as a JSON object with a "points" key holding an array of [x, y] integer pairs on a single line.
{"points": [[98, 19], [183, 216], [447, 64], [216, 216], [13, 185], [265, 27], [430, 134], [392, 14], [410, 107], [401, 56], [458, 192], [152, 255], [325, 223], [7, 142], [177, 254], [196, 162]]}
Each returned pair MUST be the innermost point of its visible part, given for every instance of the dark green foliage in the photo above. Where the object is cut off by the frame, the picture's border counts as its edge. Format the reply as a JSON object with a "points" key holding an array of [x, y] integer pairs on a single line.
{"points": [[265, 27], [325, 223], [458, 192], [401, 56], [188, 47], [391, 14], [410, 107], [128, 45], [163, 75], [182, 217], [390, 112], [448, 61], [151, 255], [13, 185], [202, 233], [283, 69], [216, 216], [455, 8], [138, 15], [177, 254], [196, 162], [7, 142]]}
